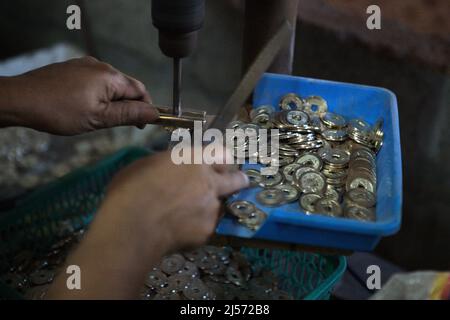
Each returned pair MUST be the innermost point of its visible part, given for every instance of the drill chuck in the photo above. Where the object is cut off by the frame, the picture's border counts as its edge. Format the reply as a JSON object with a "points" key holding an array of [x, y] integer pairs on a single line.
{"points": [[178, 22]]}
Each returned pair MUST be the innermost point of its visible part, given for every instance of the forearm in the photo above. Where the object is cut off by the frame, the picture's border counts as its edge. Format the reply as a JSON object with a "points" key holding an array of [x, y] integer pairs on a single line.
{"points": [[113, 261]]}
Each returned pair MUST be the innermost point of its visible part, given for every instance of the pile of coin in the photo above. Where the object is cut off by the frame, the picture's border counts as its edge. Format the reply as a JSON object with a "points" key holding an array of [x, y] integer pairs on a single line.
{"points": [[210, 273], [326, 162], [206, 273], [31, 272]]}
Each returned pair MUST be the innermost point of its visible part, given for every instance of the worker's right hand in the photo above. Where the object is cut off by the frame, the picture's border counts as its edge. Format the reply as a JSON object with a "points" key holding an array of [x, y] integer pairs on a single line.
{"points": [[176, 206]]}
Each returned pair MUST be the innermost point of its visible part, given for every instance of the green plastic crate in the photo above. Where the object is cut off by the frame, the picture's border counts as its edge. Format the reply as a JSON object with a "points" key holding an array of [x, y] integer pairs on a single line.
{"points": [[34, 225]]}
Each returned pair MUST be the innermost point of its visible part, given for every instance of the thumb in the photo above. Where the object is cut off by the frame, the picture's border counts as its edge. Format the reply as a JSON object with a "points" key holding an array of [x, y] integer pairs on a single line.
{"points": [[129, 113]]}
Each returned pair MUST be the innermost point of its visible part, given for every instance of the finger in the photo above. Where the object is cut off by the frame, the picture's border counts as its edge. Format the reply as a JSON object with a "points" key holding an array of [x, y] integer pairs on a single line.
{"points": [[230, 182], [127, 88], [140, 88], [129, 113], [225, 158]]}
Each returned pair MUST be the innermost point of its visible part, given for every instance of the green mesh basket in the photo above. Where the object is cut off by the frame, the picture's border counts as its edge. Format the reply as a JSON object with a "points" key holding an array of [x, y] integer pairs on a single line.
{"points": [[35, 224]]}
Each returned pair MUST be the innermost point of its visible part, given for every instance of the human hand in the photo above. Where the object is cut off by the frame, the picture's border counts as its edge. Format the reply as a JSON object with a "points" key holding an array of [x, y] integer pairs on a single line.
{"points": [[78, 96], [179, 203], [153, 207]]}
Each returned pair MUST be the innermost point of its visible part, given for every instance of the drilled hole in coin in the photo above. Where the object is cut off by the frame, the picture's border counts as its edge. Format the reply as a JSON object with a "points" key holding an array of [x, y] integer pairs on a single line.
{"points": [[336, 156], [314, 108], [292, 105]]}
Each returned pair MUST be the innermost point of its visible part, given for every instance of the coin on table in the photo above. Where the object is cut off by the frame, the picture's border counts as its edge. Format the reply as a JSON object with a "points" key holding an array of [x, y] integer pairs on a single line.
{"points": [[328, 207], [270, 197], [308, 201], [362, 197], [312, 182]]}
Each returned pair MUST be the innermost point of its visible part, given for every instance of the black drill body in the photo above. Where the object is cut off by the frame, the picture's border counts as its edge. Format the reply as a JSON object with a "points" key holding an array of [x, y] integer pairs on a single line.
{"points": [[178, 22]]}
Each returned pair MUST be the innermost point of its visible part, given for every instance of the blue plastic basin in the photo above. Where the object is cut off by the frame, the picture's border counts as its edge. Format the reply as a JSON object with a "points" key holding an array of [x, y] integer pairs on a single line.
{"points": [[288, 223]]}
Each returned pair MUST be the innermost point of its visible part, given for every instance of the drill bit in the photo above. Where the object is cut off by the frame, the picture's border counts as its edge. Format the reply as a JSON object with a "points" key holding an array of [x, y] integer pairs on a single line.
{"points": [[177, 70]]}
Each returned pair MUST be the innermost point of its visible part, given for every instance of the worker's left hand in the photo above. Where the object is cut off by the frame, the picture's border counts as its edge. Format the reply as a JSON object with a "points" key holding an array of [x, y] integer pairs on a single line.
{"points": [[78, 96]]}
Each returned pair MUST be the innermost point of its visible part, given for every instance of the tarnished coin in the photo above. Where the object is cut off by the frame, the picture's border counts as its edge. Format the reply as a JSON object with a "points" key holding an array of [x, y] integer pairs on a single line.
{"points": [[268, 181], [172, 264], [328, 207], [156, 279], [290, 193], [241, 209], [270, 197], [291, 101], [333, 120], [309, 160], [359, 213], [312, 182], [308, 201], [362, 197]]}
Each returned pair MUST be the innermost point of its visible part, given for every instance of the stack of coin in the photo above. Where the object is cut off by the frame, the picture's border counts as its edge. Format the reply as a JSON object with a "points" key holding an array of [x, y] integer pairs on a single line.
{"points": [[206, 273], [247, 213], [323, 157], [210, 273]]}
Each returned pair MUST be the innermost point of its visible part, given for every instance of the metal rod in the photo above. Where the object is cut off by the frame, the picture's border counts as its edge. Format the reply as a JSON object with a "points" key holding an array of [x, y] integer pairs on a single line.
{"points": [[177, 73]]}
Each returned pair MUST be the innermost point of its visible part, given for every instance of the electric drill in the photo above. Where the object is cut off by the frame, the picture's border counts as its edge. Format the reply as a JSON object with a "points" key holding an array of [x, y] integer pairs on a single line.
{"points": [[178, 22]]}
